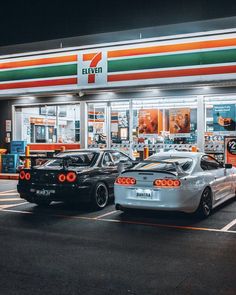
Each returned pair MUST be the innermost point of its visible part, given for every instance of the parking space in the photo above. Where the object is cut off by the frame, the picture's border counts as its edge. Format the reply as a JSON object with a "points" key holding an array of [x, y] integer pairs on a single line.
{"points": [[223, 218], [66, 249]]}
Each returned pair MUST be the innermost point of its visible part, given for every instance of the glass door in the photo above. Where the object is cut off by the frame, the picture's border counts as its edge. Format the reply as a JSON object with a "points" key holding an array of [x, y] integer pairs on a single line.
{"points": [[97, 125], [120, 126]]}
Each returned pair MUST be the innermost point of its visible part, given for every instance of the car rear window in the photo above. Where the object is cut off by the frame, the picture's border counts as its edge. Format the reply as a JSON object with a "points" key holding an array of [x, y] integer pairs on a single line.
{"points": [[75, 159], [185, 163]]}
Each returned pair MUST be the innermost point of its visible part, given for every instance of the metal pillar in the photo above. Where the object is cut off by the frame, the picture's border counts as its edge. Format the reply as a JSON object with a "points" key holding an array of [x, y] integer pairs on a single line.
{"points": [[200, 123], [83, 125]]}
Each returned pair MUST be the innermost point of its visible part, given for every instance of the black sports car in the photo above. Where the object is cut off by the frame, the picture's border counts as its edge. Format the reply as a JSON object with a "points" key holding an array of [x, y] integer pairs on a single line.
{"points": [[72, 176]]}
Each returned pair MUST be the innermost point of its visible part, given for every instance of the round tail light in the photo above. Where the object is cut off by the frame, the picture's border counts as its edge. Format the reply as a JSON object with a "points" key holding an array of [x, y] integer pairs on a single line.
{"points": [[22, 175], [71, 176], [125, 181], [27, 176], [62, 177], [166, 183]]}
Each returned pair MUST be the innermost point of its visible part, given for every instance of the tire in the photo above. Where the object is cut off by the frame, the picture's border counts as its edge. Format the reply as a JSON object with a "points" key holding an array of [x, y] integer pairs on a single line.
{"points": [[205, 206], [100, 196]]}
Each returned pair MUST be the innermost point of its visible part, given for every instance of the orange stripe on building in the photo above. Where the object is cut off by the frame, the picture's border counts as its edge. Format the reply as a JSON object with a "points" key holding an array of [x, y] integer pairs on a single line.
{"points": [[172, 48], [38, 62], [172, 73], [40, 83], [89, 56]]}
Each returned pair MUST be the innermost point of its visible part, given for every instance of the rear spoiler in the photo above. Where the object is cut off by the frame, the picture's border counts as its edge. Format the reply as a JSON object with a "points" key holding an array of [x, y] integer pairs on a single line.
{"points": [[33, 159], [176, 166]]}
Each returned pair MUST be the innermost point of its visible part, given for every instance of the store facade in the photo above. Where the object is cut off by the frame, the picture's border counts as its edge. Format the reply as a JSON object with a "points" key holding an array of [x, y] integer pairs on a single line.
{"points": [[168, 92]]}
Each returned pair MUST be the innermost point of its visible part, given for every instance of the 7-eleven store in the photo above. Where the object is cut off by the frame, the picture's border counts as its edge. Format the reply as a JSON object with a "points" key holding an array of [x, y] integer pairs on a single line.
{"points": [[164, 87]]}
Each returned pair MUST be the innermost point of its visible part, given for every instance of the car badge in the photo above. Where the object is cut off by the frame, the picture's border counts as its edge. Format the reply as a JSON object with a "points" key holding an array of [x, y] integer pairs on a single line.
{"points": [[145, 178]]}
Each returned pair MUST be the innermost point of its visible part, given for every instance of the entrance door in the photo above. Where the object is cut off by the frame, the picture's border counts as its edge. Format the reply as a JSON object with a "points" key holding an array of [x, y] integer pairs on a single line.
{"points": [[97, 125]]}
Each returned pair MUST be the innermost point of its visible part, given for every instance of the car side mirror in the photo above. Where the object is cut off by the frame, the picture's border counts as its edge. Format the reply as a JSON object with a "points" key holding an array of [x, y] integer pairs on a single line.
{"points": [[228, 166], [110, 164]]}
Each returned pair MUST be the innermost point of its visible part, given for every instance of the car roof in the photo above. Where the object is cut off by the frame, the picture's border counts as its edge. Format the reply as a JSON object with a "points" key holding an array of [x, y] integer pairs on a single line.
{"points": [[170, 154], [96, 150]]}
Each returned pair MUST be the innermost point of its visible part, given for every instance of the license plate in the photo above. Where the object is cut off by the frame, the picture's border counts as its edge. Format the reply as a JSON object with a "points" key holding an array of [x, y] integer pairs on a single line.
{"points": [[45, 192], [145, 194]]}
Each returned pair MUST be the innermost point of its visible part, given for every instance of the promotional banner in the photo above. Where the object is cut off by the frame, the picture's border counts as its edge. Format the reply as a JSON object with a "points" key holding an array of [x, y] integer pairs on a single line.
{"points": [[224, 117], [230, 150], [179, 121], [150, 121]]}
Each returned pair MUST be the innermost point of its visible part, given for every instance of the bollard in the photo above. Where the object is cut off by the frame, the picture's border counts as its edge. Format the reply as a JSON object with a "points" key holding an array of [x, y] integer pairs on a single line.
{"points": [[145, 152], [27, 154], [194, 149]]}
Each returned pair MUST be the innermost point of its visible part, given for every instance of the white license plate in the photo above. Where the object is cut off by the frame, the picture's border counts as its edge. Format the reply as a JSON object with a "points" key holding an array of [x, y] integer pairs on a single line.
{"points": [[45, 192], [145, 194]]}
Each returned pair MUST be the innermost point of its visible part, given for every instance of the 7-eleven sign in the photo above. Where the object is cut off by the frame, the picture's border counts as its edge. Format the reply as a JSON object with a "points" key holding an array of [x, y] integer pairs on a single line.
{"points": [[92, 68]]}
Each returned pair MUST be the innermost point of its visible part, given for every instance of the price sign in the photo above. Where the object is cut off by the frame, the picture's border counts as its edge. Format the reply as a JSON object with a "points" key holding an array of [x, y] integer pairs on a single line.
{"points": [[230, 150]]}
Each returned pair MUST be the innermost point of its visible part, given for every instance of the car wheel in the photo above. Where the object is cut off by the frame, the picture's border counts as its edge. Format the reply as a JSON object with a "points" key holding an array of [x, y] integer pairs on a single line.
{"points": [[100, 196], [205, 206]]}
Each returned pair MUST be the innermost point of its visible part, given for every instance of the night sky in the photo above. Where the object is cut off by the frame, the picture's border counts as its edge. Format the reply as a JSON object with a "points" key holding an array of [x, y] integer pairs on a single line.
{"points": [[28, 21]]}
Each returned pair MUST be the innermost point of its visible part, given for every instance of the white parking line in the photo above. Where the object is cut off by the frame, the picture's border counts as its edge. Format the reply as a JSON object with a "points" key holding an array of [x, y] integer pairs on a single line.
{"points": [[10, 199], [229, 225], [106, 214], [3, 207], [10, 191], [9, 194], [124, 221]]}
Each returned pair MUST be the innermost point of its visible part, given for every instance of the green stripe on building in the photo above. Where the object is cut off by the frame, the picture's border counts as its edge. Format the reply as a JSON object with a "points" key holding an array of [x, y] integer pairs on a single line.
{"points": [[173, 60], [39, 73]]}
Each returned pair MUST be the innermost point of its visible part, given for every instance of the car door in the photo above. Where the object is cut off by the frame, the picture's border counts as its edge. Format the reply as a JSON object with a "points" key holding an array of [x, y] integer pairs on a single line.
{"points": [[220, 178], [109, 168]]}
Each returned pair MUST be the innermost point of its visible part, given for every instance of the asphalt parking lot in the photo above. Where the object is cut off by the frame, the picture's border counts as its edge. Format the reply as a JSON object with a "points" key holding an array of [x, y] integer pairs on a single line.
{"points": [[73, 250]]}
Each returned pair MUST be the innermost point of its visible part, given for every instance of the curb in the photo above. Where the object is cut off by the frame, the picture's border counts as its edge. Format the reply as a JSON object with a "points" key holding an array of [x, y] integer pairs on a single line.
{"points": [[9, 176]]}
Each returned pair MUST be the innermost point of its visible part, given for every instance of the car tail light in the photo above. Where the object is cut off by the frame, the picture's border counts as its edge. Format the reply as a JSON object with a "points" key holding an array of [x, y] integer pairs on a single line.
{"points": [[71, 176], [27, 176], [62, 177], [125, 181], [22, 175], [166, 183]]}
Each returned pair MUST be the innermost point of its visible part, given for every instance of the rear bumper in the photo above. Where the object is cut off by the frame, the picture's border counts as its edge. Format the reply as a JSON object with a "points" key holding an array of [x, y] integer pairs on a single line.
{"points": [[57, 192], [182, 200]]}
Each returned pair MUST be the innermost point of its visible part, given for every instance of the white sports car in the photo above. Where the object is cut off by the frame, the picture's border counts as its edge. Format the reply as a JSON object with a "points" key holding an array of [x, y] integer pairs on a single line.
{"points": [[176, 181]]}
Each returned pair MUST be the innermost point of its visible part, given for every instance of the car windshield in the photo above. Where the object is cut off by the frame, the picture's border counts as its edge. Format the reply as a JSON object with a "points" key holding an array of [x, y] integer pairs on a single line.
{"points": [[75, 159], [156, 163]]}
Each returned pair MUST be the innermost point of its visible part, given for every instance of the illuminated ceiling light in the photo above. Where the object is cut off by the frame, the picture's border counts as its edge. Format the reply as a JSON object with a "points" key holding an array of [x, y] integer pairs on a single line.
{"points": [[29, 97], [206, 87]]}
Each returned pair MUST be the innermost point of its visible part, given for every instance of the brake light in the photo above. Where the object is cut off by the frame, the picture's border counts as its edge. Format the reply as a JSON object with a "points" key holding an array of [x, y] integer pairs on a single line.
{"points": [[22, 175], [125, 181], [27, 176], [62, 177], [71, 177], [167, 183]]}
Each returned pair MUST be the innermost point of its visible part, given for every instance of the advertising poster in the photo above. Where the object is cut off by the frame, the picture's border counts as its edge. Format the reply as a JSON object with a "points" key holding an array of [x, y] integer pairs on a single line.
{"points": [[179, 121], [148, 121], [224, 117], [230, 150]]}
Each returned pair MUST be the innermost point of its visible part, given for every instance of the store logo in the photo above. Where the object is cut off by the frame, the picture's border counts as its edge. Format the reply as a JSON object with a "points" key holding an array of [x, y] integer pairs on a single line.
{"points": [[93, 69]]}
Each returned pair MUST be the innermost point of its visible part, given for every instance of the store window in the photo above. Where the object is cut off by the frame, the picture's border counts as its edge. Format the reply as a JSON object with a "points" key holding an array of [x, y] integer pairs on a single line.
{"points": [[48, 124], [165, 123], [220, 121], [97, 125], [120, 117]]}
